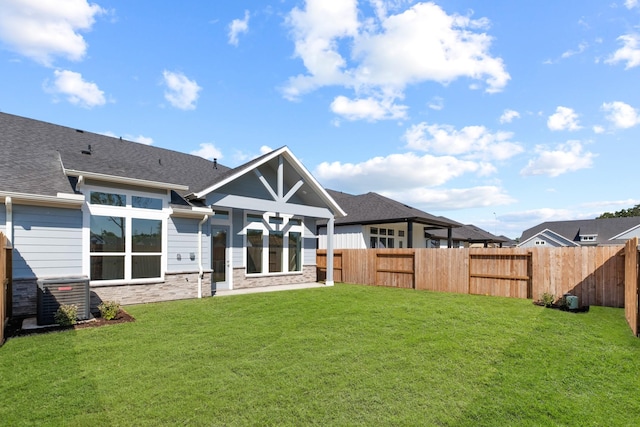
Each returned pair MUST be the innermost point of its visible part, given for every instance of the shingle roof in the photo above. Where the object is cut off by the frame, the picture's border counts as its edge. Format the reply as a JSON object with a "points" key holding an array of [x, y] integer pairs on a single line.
{"points": [[35, 152], [373, 208], [605, 228], [469, 233]]}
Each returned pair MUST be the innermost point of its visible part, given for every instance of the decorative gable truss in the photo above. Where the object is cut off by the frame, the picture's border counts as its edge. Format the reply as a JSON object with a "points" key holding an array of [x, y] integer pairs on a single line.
{"points": [[275, 203]]}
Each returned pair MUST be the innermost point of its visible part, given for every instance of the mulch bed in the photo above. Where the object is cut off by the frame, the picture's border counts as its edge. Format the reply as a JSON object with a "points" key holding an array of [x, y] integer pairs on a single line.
{"points": [[563, 307], [14, 327]]}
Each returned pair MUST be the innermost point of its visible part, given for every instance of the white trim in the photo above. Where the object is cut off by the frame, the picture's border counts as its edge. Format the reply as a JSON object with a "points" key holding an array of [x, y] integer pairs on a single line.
{"points": [[228, 222], [618, 236], [128, 213], [61, 200], [549, 236], [191, 212], [265, 227], [295, 163], [125, 180]]}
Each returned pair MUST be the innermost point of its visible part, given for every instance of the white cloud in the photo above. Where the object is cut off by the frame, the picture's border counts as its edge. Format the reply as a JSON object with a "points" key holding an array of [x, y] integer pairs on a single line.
{"points": [[367, 109], [508, 116], [630, 4], [621, 115], [207, 151], [436, 103], [629, 52], [181, 92], [44, 29], [388, 52], [77, 91], [474, 142], [563, 119], [240, 157], [455, 198], [598, 129], [568, 157], [139, 139], [390, 173], [238, 26], [569, 53]]}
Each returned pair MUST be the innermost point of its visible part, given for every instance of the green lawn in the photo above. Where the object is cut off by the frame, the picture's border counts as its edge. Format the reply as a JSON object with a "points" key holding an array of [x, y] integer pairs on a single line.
{"points": [[347, 355]]}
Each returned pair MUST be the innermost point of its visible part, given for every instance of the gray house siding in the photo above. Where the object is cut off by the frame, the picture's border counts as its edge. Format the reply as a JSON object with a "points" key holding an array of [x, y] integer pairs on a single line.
{"points": [[237, 239], [47, 242], [309, 243], [182, 243]]}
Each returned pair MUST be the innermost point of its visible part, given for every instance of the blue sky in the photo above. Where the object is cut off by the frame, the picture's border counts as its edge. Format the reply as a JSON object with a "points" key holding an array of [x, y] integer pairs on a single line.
{"points": [[499, 113]]}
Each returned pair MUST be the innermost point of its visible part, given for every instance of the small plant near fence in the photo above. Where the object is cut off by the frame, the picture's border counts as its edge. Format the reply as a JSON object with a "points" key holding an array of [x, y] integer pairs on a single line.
{"points": [[66, 315], [109, 309], [547, 299]]}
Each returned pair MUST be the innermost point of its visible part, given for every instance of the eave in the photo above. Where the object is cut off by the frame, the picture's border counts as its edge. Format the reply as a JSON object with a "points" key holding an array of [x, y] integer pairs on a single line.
{"points": [[63, 200], [125, 180]]}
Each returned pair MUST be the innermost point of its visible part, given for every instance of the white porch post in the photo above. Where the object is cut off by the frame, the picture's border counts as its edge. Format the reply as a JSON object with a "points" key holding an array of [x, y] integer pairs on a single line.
{"points": [[329, 280]]}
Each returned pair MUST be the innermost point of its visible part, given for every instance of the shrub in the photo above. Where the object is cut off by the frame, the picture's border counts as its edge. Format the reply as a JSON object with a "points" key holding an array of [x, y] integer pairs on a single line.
{"points": [[109, 309], [547, 299], [66, 315]]}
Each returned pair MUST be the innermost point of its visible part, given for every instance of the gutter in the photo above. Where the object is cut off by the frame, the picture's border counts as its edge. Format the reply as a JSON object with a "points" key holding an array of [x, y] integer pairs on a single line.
{"points": [[200, 267], [125, 180], [59, 200]]}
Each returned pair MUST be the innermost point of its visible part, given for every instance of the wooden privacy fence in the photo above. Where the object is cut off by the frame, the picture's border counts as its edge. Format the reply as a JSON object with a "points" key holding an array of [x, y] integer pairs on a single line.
{"points": [[596, 275], [5, 275], [631, 284]]}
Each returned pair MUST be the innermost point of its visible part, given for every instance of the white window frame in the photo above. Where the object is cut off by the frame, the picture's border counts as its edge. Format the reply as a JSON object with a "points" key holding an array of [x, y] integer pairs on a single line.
{"points": [[128, 213], [265, 226]]}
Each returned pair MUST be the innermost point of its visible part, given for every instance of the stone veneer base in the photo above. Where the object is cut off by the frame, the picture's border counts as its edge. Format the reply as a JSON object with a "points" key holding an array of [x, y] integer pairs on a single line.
{"points": [[175, 286], [241, 281]]}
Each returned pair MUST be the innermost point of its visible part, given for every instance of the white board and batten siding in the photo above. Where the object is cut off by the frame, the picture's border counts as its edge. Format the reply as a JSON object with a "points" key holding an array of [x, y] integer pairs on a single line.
{"points": [[344, 237], [182, 252], [47, 242]]}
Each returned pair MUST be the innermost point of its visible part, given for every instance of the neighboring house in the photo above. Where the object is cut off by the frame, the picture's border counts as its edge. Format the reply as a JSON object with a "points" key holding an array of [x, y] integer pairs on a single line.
{"points": [[588, 232], [149, 224], [375, 221], [466, 236]]}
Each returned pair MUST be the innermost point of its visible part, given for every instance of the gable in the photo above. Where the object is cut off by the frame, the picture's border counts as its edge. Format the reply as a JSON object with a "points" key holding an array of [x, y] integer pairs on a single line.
{"points": [[276, 182], [548, 238]]}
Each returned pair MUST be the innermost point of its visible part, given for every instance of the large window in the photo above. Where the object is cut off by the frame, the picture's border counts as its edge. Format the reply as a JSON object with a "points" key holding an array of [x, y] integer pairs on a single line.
{"points": [[254, 251], [379, 238], [274, 244], [126, 234]]}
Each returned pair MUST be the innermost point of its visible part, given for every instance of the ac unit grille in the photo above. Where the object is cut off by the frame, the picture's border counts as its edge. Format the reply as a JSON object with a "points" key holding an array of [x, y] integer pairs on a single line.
{"points": [[54, 292]]}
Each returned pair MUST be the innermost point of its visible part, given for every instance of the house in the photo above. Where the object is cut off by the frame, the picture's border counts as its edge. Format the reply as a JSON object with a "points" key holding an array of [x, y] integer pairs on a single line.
{"points": [[146, 224], [376, 221], [587, 232], [465, 236]]}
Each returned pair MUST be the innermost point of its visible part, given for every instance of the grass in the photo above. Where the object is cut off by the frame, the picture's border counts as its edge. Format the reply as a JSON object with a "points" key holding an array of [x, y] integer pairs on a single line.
{"points": [[347, 355]]}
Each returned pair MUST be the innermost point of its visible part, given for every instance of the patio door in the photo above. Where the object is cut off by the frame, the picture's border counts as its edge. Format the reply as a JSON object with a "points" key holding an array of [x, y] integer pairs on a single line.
{"points": [[219, 257]]}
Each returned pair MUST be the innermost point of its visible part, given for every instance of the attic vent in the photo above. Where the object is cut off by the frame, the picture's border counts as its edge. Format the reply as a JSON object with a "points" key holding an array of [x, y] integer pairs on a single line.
{"points": [[88, 150], [79, 131], [215, 163]]}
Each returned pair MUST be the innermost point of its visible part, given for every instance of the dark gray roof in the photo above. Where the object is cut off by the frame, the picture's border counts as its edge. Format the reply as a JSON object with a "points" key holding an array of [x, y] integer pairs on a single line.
{"points": [[469, 233], [373, 208], [35, 152], [605, 228]]}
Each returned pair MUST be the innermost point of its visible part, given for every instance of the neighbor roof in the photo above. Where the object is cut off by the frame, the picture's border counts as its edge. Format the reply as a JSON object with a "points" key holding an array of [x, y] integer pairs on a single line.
{"points": [[604, 228], [373, 208], [470, 233]]}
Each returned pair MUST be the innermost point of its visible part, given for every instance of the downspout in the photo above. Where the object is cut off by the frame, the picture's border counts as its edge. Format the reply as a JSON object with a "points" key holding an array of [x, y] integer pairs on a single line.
{"points": [[8, 203], [200, 267]]}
